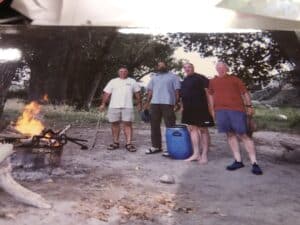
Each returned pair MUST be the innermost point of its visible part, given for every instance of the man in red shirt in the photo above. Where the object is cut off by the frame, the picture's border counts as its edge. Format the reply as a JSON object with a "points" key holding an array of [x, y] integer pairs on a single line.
{"points": [[230, 103]]}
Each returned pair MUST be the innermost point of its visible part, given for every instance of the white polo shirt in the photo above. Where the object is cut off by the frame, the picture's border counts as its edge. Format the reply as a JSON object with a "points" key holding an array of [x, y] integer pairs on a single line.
{"points": [[121, 91]]}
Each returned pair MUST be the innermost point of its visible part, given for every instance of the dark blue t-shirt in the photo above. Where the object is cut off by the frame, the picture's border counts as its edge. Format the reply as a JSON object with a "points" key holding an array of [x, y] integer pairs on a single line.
{"points": [[192, 92]]}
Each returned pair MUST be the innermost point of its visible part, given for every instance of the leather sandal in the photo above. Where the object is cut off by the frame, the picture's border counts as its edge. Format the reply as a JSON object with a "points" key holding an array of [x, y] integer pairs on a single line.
{"points": [[130, 147], [113, 146]]}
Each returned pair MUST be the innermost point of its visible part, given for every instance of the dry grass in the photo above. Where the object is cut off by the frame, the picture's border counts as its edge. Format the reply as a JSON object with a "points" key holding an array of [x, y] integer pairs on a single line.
{"points": [[266, 118], [285, 119], [53, 113]]}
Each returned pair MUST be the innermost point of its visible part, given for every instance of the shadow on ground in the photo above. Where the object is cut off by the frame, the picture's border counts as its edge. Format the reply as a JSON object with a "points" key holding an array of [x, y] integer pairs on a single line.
{"points": [[210, 195]]}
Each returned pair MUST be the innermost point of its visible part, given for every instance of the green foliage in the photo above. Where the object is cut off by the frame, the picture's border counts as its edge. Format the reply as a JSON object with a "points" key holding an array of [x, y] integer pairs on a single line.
{"points": [[73, 64], [140, 53], [251, 56], [269, 119]]}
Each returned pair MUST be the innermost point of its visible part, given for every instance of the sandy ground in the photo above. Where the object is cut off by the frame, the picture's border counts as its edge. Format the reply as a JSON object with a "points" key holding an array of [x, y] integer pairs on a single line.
{"points": [[117, 187]]}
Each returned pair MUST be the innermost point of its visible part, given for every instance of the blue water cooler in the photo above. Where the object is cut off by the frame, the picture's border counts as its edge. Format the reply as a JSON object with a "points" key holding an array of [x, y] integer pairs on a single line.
{"points": [[179, 143]]}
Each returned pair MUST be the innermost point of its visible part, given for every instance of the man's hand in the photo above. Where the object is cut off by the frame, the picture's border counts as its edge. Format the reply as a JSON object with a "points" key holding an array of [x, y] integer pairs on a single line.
{"points": [[139, 107], [102, 107], [177, 107], [181, 109], [250, 111], [146, 106], [213, 114]]}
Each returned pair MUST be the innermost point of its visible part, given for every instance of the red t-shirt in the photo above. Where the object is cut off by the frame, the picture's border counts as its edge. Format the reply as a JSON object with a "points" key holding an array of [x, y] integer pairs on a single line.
{"points": [[227, 92]]}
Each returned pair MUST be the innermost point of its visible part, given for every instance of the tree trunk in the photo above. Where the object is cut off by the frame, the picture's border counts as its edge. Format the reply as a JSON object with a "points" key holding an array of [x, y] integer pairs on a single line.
{"points": [[289, 44], [7, 73], [269, 91], [97, 81], [99, 77]]}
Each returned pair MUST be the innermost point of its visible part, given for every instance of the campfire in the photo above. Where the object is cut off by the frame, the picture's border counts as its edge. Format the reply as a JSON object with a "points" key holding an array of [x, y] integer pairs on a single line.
{"points": [[29, 131], [46, 98], [29, 140], [28, 124]]}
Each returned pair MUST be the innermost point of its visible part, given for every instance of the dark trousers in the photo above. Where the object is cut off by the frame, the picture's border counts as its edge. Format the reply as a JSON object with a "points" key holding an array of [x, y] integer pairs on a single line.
{"points": [[159, 111]]}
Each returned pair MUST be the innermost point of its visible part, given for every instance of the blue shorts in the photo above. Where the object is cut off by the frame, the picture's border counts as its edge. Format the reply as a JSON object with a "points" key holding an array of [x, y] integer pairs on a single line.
{"points": [[231, 121]]}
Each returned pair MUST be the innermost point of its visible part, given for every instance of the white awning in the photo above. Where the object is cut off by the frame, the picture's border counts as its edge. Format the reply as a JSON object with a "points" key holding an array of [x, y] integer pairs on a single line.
{"points": [[168, 15], [280, 9]]}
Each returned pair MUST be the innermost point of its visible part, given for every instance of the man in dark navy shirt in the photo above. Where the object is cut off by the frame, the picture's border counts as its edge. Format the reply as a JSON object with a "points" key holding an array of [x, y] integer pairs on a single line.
{"points": [[195, 112]]}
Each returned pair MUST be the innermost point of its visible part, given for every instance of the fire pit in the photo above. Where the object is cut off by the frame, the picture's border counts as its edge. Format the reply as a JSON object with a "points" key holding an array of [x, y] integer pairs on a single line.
{"points": [[39, 150], [35, 145], [28, 144]]}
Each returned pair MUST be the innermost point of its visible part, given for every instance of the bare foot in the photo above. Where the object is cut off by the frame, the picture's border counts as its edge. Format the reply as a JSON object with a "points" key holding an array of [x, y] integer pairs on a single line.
{"points": [[193, 158], [203, 160]]}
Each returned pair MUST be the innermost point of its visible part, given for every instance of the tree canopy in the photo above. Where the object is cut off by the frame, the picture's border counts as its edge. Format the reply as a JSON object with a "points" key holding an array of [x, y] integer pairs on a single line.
{"points": [[72, 64], [254, 57]]}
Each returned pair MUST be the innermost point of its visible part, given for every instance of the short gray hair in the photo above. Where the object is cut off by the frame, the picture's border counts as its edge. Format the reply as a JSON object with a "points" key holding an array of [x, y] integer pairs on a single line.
{"points": [[188, 63], [219, 63]]}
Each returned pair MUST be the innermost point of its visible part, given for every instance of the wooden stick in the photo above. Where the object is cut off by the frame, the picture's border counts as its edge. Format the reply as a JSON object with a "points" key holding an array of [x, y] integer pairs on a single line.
{"points": [[96, 132], [65, 129]]}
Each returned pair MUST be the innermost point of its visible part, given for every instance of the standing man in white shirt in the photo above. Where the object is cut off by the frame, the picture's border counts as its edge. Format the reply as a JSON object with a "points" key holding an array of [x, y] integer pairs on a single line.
{"points": [[121, 91]]}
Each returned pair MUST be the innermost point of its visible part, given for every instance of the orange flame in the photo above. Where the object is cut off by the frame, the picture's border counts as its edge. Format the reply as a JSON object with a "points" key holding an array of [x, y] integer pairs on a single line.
{"points": [[27, 123], [46, 98]]}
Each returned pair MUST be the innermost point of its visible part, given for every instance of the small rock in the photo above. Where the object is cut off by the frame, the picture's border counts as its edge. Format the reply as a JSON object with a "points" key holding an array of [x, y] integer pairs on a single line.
{"points": [[283, 117], [58, 172], [49, 180], [256, 103], [184, 209], [167, 179], [9, 216], [169, 215], [269, 106], [95, 221]]}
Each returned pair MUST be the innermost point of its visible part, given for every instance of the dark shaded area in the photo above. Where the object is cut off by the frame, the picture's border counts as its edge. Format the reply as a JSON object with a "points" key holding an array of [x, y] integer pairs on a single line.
{"points": [[72, 64], [11, 16], [289, 45], [210, 195]]}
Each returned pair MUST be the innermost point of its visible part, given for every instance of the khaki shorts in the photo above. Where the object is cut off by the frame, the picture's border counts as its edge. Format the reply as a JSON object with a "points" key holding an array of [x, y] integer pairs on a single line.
{"points": [[120, 114]]}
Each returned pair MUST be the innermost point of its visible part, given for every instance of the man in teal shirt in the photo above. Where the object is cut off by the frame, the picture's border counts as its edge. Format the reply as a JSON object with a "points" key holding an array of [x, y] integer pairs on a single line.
{"points": [[163, 96]]}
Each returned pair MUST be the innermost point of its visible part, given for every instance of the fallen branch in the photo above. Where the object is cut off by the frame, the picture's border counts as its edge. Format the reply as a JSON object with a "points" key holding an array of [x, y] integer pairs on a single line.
{"points": [[9, 185], [289, 146]]}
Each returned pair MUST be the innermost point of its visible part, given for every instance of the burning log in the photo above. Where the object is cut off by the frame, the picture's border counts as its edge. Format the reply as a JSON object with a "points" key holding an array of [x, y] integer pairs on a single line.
{"points": [[28, 124], [9, 185], [40, 150], [47, 139]]}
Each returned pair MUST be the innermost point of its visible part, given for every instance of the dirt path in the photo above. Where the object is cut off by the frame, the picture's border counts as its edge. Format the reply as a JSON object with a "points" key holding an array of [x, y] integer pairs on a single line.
{"points": [[102, 187]]}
